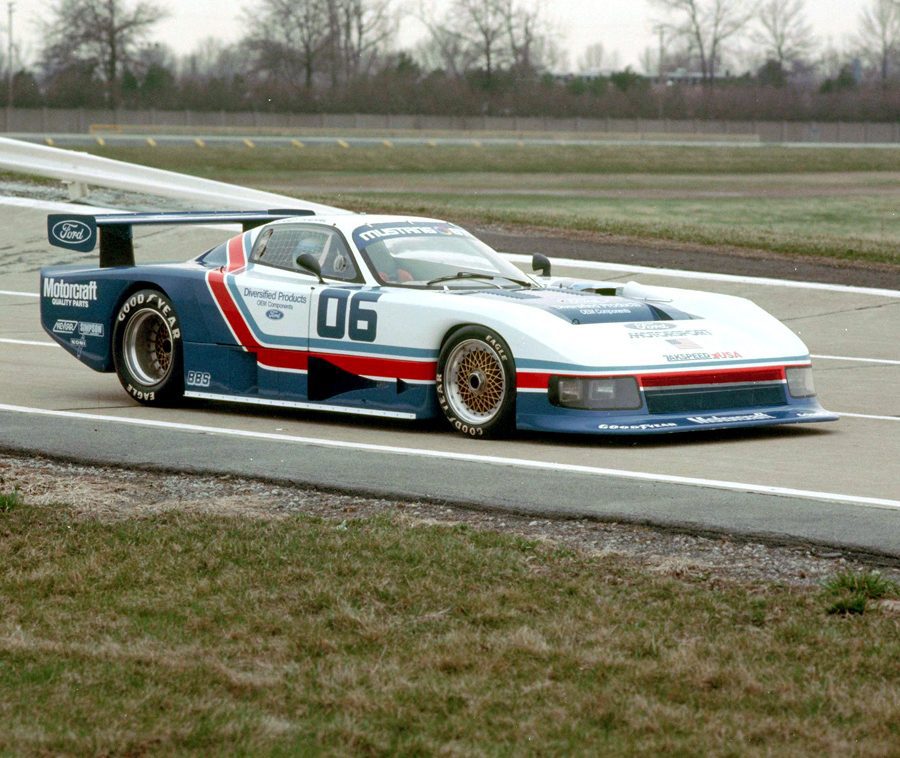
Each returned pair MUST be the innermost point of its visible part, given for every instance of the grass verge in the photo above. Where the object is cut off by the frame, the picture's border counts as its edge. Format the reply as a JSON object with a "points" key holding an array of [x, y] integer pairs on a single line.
{"points": [[505, 186], [531, 159], [189, 633], [852, 229]]}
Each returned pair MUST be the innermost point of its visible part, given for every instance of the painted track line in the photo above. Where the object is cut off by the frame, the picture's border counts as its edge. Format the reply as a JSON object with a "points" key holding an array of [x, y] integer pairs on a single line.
{"points": [[520, 258], [861, 360], [14, 293], [43, 343], [884, 361], [709, 276], [36, 343], [869, 416], [760, 489]]}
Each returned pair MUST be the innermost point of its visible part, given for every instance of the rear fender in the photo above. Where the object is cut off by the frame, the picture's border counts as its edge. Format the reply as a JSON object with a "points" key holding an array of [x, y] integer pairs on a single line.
{"points": [[77, 311]]}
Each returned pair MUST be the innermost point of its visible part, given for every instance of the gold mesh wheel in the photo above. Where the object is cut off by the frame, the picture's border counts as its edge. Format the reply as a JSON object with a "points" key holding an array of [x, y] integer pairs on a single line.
{"points": [[474, 382]]}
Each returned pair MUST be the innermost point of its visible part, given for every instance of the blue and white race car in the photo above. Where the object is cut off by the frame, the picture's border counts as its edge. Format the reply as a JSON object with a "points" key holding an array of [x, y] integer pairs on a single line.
{"points": [[412, 318]]}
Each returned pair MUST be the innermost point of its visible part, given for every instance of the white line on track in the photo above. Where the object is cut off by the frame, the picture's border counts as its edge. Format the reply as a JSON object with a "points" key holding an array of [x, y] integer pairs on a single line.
{"points": [[861, 360], [519, 258], [709, 276], [14, 293], [868, 416], [885, 361], [491, 460], [43, 343], [36, 343]]}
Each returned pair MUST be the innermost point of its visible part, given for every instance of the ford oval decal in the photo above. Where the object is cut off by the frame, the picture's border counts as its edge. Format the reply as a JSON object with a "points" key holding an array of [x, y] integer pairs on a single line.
{"points": [[72, 232], [650, 326], [274, 314]]}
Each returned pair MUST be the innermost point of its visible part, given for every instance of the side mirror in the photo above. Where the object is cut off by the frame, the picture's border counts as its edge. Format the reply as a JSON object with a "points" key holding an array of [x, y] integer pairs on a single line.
{"points": [[309, 262], [540, 263]]}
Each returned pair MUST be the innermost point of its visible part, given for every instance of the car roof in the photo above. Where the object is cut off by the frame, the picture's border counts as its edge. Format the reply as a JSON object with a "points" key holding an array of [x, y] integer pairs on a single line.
{"points": [[348, 222]]}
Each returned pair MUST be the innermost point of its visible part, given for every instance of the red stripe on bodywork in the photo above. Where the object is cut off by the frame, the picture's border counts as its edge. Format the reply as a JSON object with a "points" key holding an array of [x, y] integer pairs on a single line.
{"points": [[298, 360], [532, 381], [719, 376], [230, 310], [236, 257], [540, 381], [363, 365], [294, 360]]}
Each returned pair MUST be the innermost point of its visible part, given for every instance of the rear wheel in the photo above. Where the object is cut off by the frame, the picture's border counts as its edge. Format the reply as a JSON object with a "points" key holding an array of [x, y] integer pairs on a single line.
{"points": [[476, 382], [147, 348]]}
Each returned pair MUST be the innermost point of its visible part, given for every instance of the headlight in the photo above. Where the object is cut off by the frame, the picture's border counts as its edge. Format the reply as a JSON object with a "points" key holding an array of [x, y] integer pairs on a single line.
{"points": [[608, 394], [800, 382]]}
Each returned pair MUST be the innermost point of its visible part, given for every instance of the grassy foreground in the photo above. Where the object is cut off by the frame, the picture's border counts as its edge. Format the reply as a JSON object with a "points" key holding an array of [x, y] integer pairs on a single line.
{"points": [[178, 633], [837, 203]]}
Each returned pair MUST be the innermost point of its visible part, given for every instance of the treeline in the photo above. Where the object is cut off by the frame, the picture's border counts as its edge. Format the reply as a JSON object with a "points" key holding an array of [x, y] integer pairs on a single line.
{"points": [[481, 57]]}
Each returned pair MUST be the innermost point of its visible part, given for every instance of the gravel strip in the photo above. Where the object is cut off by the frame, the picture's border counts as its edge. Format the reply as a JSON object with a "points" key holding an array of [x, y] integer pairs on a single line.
{"points": [[109, 493]]}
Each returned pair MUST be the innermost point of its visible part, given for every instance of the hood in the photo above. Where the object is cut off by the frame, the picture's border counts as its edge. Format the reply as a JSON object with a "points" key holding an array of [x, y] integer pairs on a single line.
{"points": [[579, 308]]}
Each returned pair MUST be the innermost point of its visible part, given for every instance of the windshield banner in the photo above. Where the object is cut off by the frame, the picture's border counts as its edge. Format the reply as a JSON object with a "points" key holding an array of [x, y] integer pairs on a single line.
{"points": [[366, 235]]}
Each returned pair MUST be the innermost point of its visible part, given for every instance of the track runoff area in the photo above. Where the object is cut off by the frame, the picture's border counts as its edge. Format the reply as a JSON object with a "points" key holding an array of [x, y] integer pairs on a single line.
{"points": [[835, 484]]}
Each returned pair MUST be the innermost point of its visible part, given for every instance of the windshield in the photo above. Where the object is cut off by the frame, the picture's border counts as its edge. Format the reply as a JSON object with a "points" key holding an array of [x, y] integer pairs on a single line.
{"points": [[435, 255]]}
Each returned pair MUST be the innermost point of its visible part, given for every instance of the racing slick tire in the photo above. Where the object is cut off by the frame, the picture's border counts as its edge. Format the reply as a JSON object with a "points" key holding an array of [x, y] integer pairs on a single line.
{"points": [[147, 349], [476, 382]]}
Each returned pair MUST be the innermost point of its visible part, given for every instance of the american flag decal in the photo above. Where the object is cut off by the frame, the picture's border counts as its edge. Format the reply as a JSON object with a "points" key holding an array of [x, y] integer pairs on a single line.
{"points": [[684, 344]]}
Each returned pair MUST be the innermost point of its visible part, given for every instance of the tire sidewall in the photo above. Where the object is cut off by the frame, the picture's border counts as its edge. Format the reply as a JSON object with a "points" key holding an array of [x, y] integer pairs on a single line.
{"points": [[171, 388], [504, 419]]}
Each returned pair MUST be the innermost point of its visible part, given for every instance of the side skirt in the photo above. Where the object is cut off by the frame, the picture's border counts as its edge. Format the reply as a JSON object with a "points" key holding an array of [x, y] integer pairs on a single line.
{"points": [[301, 405]]}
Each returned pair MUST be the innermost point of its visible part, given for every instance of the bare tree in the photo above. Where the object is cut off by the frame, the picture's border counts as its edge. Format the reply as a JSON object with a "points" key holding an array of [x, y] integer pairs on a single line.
{"points": [[522, 26], [486, 22], [879, 33], [445, 49], [212, 57], [102, 34], [287, 38], [783, 31], [592, 58], [705, 25], [360, 28]]}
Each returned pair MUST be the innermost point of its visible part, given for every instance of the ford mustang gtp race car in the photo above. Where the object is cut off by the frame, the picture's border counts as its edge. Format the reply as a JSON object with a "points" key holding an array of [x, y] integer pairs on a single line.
{"points": [[412, 318]]}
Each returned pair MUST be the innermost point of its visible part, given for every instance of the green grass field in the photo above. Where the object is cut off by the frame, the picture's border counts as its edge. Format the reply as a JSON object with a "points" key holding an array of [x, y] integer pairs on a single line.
{"points": [[199, 634], [835, 203]]}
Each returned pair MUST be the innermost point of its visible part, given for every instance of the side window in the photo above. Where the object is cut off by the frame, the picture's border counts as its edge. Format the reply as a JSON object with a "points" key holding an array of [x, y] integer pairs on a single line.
{"points": [[281, 245]]}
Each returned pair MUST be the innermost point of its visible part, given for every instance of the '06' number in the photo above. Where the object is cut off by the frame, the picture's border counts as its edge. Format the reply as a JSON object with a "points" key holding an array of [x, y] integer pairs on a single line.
{"points": [[334, 322]]}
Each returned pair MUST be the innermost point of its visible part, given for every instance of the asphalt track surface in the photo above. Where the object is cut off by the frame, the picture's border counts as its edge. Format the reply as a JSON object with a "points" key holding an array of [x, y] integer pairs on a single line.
{"points": [[836, 484]]}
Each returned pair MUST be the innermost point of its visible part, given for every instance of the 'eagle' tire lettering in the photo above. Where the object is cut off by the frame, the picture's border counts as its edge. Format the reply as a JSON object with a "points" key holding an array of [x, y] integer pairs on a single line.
{"points": [[476, 382], [147, 350]]}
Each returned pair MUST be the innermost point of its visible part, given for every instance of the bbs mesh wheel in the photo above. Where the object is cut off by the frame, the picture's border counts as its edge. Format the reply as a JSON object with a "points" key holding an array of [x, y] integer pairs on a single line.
{"points": [[147, 348], [476, 382]]}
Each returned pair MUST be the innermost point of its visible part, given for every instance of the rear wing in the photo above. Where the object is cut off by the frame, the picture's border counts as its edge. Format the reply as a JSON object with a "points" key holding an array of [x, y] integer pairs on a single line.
{"points": [[77, 232]]}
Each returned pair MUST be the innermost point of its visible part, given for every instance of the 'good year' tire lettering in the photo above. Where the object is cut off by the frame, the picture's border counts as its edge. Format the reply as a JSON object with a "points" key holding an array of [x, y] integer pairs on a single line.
{"points": [[147, 350]]}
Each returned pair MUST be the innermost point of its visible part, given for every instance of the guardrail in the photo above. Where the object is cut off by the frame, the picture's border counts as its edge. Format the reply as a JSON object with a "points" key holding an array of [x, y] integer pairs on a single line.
{"points": [[54, 121], [80, 170]]}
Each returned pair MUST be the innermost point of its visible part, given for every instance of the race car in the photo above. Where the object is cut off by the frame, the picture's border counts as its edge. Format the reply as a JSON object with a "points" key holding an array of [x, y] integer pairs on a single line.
{"points": [[413, 318]]}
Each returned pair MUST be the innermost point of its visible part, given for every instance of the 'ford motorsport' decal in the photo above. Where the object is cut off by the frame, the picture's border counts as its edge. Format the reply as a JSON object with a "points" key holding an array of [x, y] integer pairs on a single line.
{"points": [[578, 308]]}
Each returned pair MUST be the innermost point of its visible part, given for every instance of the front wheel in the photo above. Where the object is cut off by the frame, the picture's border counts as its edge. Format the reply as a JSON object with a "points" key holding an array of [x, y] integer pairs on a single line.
{"points": [[147, 348], [476, 382]]}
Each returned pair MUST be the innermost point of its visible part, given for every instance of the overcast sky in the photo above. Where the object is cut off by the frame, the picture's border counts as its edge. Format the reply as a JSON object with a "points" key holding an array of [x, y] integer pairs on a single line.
{"points": [[624, 27]]}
